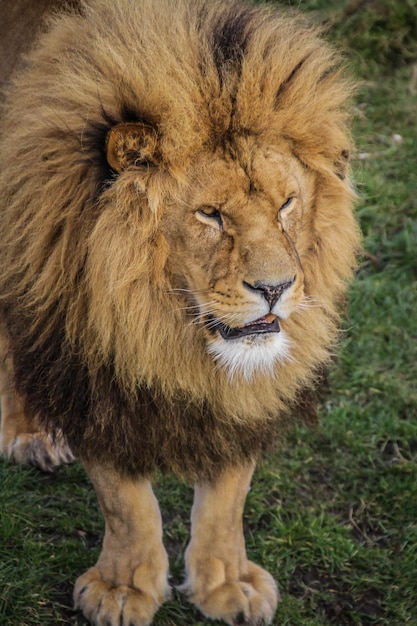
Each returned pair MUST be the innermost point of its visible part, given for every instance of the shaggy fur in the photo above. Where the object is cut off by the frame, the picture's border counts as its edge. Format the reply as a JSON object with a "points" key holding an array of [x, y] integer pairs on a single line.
{"points": [[91, 292]]}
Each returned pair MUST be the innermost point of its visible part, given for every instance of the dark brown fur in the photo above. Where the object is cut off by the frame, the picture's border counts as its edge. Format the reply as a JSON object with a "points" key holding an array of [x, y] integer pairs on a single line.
{"points": [[138, 432]]}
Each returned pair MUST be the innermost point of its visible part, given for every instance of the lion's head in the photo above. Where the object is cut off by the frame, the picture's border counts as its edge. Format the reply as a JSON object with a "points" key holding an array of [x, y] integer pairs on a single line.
{"points": [[187, 207], [232, 235]]}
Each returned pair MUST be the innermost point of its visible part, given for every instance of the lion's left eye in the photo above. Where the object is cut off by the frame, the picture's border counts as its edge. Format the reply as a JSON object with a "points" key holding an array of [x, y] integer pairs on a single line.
{"points": [[212, 214]]}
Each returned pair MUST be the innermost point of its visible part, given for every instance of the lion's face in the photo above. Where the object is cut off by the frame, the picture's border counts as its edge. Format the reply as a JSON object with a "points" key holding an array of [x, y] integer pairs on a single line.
{"points": [[233, 252]]}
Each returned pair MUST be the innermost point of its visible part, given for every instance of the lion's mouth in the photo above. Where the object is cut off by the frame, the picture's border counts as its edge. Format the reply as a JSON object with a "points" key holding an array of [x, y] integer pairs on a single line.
{"points": [[267, 324]]}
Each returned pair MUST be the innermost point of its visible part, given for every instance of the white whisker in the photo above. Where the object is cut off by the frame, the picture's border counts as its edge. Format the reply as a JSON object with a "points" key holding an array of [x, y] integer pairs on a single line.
{"points": [[198, 307], [196, 292], [308, 303]]}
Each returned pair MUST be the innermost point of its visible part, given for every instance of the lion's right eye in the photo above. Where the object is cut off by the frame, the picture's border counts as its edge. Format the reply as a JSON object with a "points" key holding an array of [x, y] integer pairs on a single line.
{"points": [[287, 203], [211, 214]]}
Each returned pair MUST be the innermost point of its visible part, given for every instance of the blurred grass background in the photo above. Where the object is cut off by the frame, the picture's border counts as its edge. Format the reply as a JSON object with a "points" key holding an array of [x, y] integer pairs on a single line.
{"points": [[333, 515]]}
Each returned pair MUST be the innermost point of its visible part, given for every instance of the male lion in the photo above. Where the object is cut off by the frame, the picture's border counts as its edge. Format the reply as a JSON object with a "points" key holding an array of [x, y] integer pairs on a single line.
{"points": [[176, 234]]}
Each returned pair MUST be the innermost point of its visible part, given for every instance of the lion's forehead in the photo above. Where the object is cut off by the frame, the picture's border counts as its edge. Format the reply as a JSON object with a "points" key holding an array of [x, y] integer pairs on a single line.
{"points": [[230, 178]]}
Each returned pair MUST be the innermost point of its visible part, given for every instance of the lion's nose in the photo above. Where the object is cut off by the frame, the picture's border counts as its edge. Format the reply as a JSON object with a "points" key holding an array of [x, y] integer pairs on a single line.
{"points": [[271, 293]]}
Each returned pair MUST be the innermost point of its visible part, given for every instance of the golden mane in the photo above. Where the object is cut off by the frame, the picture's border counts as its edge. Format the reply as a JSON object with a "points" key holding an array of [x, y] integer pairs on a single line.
{"points": [[85, 292]]}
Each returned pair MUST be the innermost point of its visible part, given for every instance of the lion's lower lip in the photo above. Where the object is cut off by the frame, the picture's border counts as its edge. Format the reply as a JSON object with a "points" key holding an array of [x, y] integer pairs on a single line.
{"points": [[267, 324]]}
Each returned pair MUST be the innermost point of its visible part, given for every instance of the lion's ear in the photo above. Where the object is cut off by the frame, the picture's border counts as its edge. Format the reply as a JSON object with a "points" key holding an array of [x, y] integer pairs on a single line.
{"points": [[131, 144], [341, 164]]}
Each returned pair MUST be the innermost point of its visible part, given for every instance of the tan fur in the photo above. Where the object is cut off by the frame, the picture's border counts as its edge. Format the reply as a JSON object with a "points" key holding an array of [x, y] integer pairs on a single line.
{"points": [[130, 577], [166, 165], [221, 580]]}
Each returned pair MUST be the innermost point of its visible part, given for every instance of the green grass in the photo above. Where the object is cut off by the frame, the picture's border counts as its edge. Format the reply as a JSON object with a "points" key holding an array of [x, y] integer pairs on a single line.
{"points": [[333, 515]]}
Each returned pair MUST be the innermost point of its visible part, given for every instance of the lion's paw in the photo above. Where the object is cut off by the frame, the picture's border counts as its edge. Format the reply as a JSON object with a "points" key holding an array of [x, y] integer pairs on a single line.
{"points": [[250, 601], [39, 450], [107, 605]]}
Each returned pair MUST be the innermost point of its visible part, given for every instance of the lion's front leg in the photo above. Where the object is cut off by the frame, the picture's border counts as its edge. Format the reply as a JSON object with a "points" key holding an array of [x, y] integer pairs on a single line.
{"points": [[221, 581], [129, 581]]}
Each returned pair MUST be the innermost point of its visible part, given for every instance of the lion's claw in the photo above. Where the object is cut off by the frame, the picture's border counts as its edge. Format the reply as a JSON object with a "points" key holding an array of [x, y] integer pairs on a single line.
{"points": [[248, 602], [242, 620], [107, 605], [39, 450]]}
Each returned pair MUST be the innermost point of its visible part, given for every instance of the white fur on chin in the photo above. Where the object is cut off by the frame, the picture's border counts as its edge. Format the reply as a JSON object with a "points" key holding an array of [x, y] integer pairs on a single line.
{"points": [[251, 354]]}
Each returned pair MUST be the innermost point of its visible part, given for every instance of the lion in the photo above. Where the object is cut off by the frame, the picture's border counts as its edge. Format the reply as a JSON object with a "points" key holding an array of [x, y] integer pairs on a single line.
{"points": [[177, 236]]}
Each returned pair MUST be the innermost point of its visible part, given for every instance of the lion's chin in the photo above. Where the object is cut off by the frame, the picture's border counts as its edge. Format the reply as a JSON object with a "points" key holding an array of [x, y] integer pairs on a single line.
{"points": [[250, 355]]}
